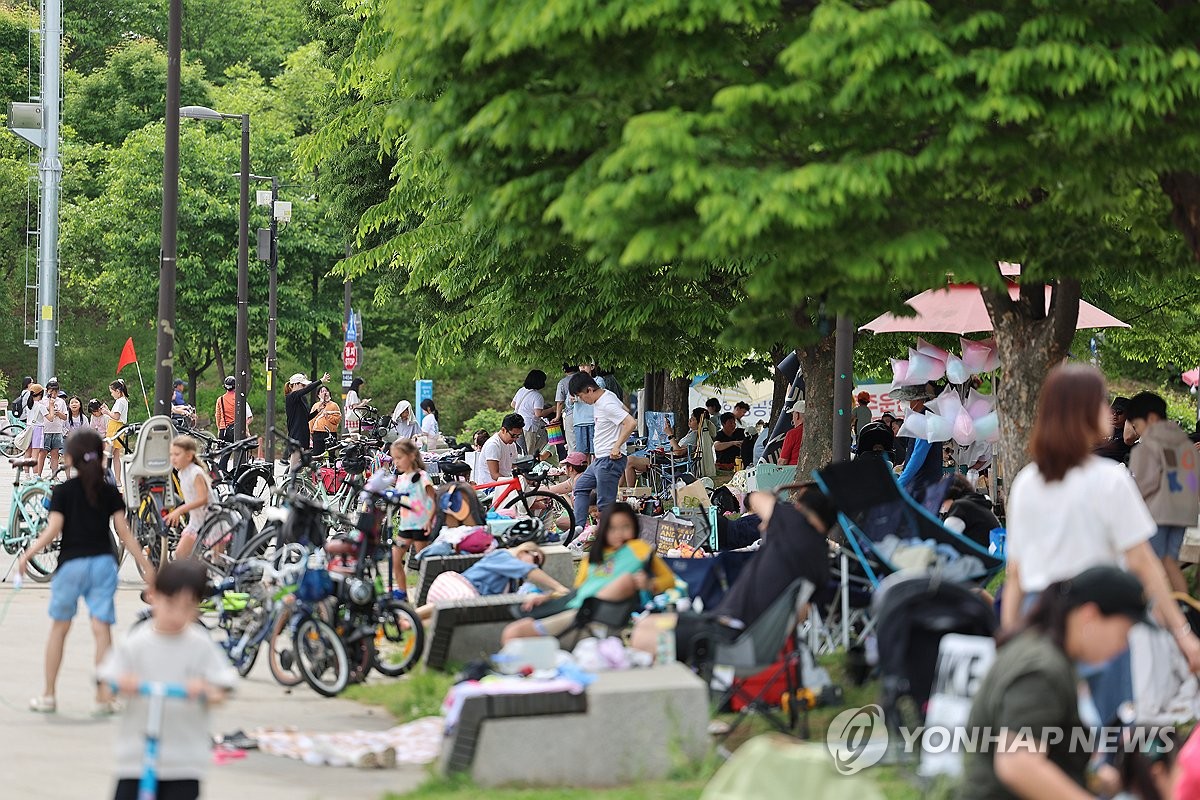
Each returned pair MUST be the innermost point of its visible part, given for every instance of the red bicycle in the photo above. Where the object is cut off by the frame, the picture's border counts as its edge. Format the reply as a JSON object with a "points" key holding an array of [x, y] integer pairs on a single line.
{"points": [[530, 500]]}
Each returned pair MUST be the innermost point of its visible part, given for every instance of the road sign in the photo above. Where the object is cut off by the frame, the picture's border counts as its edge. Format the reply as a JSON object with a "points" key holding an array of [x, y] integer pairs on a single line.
{"points": [[351, 330], [347, 378], [350, 355]]}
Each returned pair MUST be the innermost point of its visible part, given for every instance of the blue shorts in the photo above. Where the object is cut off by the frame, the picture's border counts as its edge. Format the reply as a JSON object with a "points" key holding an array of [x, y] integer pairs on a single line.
{"points": [[94, 579], [1167, 541], [53, 441], [584, 439]]}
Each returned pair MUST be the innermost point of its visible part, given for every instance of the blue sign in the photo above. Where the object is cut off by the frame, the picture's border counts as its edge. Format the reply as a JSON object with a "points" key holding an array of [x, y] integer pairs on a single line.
{"points": [[424, 392], [351, 329]]}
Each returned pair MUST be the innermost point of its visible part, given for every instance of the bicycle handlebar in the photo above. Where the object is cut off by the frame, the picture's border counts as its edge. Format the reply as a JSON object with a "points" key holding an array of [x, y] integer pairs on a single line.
{"points": [[157, 689]]}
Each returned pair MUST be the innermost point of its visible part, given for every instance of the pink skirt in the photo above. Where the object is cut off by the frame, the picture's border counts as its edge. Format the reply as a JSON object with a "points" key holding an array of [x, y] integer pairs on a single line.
{"points": [[451, 586]]}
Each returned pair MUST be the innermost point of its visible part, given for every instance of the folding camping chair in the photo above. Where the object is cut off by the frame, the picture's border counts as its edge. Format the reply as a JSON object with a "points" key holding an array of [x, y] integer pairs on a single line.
{"points": [[756, 649], [872, 506]]}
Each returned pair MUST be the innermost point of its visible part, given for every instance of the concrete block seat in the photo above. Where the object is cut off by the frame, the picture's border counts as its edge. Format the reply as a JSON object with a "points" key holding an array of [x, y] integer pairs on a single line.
{"points": [[463, 630], [634, 725]]}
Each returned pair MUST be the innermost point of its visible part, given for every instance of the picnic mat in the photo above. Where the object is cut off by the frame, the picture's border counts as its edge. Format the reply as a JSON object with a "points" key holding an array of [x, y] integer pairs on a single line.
{"points": [[418, 742]]}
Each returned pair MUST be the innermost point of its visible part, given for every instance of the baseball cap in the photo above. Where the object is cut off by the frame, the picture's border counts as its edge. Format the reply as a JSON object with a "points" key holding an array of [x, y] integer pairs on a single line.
{"points": [[230, 382], [1119, 404], [1112, 589], [797, 407], [576, 459], [299, 377]]}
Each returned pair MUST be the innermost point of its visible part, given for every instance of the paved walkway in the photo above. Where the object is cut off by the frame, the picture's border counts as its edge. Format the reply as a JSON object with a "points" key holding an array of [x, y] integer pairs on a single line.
{"points": [[70, 755]]}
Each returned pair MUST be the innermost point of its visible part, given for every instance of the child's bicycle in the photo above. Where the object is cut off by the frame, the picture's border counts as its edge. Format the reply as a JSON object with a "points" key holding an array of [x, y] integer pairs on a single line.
{"points": [[27, 518]]}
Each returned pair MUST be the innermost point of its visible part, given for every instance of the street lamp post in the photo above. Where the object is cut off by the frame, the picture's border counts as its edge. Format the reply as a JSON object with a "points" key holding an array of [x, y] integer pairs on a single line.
{"points": [[272, 258], [242, 336]]}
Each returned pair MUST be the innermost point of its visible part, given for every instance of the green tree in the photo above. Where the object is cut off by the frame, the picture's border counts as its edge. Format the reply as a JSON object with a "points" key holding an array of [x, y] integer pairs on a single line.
{"points": [[93, 28]]}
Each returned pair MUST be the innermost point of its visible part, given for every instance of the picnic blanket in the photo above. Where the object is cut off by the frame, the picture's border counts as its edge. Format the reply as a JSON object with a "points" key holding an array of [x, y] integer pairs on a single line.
{"points": [[418, 742]]}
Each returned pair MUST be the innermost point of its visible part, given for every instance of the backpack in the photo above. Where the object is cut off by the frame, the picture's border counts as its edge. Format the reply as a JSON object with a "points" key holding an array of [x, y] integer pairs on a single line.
{"points": [[19, 404]]}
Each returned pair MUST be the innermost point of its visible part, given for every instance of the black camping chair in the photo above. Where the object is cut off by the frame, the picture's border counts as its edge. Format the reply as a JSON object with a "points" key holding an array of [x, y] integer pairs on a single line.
{"points": [[912, 614], [756, 649]]}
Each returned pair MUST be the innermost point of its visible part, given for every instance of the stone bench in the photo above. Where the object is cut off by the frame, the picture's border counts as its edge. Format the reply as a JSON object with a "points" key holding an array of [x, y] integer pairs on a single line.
{"points": [[633, 725], [464, 630]]}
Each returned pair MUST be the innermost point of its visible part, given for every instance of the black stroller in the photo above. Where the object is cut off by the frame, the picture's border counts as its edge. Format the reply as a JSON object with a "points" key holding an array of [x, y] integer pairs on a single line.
{"points": [[912, 614]]}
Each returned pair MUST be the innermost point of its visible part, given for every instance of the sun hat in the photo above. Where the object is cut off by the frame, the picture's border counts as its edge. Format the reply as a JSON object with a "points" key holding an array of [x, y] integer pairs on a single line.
{"points": [[576, 459], [299, 377], [34, 388], [797, 407], [911, 393]]}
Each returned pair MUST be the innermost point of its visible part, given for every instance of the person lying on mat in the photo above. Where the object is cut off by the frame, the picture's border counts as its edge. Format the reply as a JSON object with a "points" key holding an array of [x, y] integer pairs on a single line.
{"points": [[618, 566], [793, 546], [493, 574]]}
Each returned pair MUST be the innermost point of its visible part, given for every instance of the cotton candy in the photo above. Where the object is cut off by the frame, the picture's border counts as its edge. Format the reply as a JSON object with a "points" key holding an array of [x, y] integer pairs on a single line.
{"points": [[923, 368], [987, 428], [914, 426], [938, 428], [964, 428], [956, 370], [899, 371]]}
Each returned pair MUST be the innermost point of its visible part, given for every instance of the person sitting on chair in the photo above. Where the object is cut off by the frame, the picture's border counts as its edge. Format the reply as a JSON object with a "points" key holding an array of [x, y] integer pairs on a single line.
{"points": [[969, 512], [697, 441], [728, 443], [618, 566], [793, 546]]}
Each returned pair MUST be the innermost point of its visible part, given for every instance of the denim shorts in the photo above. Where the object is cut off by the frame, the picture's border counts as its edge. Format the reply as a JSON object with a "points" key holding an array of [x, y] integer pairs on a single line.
{"points": [[1167, 541], [584, 439], [53, 441], [94, 579]]}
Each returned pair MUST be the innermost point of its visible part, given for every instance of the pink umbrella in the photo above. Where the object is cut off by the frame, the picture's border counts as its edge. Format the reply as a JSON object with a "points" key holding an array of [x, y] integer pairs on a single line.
{"points": [[1191, 377], [959, 308]]}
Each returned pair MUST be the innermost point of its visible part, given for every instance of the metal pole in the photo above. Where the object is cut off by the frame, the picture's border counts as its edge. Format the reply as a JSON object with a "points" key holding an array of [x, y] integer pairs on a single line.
{"points": [[164, 351], [272, 311], [49, 173], [843, 380], [242, 345]]}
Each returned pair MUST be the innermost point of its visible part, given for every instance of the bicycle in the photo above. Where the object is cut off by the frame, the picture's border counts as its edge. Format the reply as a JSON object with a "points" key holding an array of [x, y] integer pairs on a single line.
{"points": [[233, 471], [547, 507], [27, 518], [10, 430]]}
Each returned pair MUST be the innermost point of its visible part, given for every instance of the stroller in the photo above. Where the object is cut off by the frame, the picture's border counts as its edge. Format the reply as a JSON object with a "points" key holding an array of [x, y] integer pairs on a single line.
{"points": [[912, 614]]}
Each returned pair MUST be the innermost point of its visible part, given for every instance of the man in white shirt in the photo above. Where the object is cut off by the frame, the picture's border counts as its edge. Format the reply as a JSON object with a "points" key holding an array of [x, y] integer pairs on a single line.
{"points": [[613, 427], [500, 451], [55, 425]]}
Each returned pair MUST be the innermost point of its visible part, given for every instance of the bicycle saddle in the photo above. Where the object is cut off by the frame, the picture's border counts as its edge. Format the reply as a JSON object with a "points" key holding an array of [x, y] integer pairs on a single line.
{"points": [[249, 501], [23, 462], [457, 469]]}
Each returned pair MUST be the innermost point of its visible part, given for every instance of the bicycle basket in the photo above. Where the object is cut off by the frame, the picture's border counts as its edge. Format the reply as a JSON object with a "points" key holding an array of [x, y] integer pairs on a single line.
{"points": [[331, 478], [314, 586]]}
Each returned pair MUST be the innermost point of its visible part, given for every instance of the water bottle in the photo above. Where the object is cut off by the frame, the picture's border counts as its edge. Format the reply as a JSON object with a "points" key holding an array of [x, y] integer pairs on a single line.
{"points": [[664, 652], [973, 478]]}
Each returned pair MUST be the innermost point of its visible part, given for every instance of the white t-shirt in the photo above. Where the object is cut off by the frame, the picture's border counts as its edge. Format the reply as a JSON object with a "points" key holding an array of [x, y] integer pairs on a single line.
{"points": [[349, 414], [58, 424], [120, 407], [527, 403], [1088, 519], [496, 450], [429, 426], [609, 413], [185, 747], [187, 482]]}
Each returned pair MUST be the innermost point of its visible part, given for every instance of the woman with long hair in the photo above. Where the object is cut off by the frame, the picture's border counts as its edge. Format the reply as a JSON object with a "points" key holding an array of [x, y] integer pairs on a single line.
{"points": [[1069, 510], [324, 418], [117, 416], [354, 404], [618, 566], [81, 510], [1031, 690], [431, 422]]}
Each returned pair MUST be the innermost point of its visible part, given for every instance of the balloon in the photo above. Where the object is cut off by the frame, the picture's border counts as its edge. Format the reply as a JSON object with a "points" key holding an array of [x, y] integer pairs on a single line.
{"points": [[914, 426], [899, 371], [956, 370], [923, 368], [931, 350], [964, 428], [979, 404], [937, 427], [987, 428]]}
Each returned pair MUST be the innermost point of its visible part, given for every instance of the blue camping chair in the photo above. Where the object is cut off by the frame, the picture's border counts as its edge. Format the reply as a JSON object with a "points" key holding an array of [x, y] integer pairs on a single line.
{"points": [[708, 579]]}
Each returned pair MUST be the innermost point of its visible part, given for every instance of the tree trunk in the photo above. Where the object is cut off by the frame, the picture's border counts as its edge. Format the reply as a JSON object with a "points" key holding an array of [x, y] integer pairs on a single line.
{"points": [[1183, 188], [1031, 342], [193, 379], [675, 399], [220, 359], [816, 364]]}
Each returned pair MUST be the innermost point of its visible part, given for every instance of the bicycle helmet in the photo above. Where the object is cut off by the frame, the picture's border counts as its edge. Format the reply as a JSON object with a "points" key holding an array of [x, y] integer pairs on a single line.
{"points": [[354, 460], [526, 530], [230, 382]]}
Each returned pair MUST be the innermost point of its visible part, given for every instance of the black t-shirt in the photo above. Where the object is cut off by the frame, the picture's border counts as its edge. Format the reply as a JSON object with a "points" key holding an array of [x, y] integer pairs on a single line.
{"points": [[85, 527], [726, 457], [792, 548]]}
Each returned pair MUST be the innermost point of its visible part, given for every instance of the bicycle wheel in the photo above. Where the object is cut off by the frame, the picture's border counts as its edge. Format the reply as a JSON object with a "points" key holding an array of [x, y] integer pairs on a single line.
{"points": [[257, 482], [281, 652], [399, 639], [8, 441], [213, 539], [553, 510], [148, 529], [321, 657], [301, 484], [32, 517]]}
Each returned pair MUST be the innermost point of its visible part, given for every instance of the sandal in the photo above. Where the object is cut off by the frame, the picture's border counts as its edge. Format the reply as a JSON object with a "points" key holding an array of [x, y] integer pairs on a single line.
{"points": [[43, 705], [106, 708]]}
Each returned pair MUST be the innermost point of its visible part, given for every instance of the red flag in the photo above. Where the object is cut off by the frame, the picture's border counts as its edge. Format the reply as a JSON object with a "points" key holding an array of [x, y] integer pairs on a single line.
{"points": [[128, 355]]}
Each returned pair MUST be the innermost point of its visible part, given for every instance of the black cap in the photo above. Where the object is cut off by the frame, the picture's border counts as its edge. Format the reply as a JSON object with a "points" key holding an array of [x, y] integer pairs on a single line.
{"points": [[1113, 590], [178, 382], [1119, 404]]}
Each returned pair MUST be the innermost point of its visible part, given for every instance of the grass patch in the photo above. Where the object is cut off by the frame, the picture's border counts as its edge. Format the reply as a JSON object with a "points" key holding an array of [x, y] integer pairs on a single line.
{"points": [[413, 696], [460, 787]]}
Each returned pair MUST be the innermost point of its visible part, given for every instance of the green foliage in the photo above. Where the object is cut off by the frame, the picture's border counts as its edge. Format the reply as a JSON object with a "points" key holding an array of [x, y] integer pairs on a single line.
{"points": [[488, 419], [93, 28], [17, 52]]}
